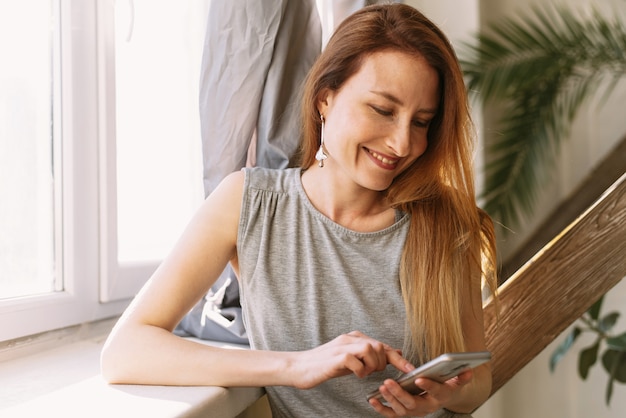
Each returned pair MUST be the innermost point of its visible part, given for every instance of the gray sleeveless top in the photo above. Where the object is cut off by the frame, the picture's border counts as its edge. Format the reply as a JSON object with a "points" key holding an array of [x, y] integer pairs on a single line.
{"points": [[306, 280]]}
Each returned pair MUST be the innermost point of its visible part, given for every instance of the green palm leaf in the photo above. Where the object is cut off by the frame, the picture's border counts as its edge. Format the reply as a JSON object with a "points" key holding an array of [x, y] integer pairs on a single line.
{"points": [[539, 69]]}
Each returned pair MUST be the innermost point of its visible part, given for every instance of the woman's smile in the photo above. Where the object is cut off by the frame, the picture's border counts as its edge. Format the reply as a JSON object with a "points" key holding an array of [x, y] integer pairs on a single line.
{"points": [[384, 161]]}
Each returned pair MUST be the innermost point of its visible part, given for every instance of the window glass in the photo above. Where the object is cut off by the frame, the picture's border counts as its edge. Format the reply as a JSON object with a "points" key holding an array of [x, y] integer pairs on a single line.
{"points": [[27, 264], [158, 46]]}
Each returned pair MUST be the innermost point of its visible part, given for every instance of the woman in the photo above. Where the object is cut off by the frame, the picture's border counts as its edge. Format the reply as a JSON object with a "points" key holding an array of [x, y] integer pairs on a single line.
{"points": [[363, 262]]}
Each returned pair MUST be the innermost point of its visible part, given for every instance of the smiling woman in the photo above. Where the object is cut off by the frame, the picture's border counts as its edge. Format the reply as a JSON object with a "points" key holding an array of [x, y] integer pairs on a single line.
{"points": [[390, 219]]}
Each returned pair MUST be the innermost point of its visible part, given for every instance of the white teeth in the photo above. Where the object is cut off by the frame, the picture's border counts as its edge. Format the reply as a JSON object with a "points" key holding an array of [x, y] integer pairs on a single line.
{"points": [[383, 159]]}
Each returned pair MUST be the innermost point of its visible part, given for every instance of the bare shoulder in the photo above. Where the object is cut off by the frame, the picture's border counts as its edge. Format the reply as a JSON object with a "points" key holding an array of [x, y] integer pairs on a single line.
{"points": [[230, 189], [217, 218], [223, 205]]}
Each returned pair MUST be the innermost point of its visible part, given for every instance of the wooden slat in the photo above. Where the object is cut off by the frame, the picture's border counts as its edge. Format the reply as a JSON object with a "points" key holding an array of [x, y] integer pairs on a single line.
{"points": [[558, 285], [594, 185]]}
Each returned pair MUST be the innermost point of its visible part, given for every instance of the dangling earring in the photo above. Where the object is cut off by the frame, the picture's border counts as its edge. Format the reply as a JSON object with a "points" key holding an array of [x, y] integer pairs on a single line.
{"points": [[320, 155]]}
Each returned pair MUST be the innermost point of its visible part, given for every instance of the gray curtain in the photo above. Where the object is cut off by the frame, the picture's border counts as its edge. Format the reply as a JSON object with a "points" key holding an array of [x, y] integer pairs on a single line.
{"points": [[256, 56]]}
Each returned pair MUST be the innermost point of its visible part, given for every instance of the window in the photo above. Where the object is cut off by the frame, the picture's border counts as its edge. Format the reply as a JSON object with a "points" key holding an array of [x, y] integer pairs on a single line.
{"points": [[151, 171], [100, 164]]}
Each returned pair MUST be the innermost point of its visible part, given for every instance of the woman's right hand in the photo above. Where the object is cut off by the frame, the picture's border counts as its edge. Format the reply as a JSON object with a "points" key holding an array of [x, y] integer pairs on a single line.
{"points": [[354, 352]]}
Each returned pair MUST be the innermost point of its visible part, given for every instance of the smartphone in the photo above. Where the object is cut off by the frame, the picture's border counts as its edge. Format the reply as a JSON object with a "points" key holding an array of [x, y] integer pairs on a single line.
{"points": [[440, 369]]}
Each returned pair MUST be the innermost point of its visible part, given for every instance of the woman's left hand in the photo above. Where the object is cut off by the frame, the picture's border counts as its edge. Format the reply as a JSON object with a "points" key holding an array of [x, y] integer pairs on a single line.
{"points": [[400, 403]]}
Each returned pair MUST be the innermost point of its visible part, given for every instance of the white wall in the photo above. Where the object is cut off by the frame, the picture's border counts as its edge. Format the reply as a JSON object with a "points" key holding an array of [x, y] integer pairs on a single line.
{"points": [[458, 19]]}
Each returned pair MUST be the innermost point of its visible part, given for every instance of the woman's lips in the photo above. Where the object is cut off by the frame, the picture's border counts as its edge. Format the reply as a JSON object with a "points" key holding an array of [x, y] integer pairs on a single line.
{"points": [[386, 161]]}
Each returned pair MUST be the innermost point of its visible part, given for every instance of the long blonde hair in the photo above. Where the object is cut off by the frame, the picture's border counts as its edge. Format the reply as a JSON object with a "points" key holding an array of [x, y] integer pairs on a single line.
{"points": [[450, 244]]}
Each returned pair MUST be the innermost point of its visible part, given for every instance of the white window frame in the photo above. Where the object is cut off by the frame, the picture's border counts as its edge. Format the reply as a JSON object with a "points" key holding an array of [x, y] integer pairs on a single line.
{"points": [[118, 281]]}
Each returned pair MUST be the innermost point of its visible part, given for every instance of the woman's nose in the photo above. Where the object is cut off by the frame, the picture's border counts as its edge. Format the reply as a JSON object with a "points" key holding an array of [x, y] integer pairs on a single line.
{"points": [[400, 140]]}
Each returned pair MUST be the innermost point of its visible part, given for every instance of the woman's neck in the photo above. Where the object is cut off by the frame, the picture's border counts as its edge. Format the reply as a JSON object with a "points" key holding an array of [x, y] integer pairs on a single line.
{"points": [[345, 202]]}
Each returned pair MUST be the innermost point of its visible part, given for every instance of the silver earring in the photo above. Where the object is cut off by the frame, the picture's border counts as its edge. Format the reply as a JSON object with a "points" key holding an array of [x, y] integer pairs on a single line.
{"points": [[320, 155]]}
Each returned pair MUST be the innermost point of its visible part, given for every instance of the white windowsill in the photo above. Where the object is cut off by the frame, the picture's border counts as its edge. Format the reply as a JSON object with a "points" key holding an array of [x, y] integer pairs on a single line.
{"points": [[66, 379]]}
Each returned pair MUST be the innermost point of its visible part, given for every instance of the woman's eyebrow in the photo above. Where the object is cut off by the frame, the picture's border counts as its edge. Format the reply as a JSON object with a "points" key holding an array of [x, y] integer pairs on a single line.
{"points": [[399, 102]]}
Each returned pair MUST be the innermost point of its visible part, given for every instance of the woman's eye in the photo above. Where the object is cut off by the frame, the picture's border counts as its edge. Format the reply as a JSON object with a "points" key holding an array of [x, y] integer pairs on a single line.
{"points": [[421, 123], [382, 112]]}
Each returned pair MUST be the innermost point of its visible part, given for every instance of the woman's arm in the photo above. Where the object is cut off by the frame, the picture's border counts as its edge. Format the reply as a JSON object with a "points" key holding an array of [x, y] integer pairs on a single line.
{"points": [[141, 349], [477, 391]]}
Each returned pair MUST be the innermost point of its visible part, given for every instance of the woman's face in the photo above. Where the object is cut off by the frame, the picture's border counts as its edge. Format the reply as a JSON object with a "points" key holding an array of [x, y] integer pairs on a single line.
{"points": [[377, 122]]}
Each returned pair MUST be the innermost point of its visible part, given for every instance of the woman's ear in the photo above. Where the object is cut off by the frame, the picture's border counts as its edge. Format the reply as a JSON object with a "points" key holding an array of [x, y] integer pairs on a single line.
{"points": [[323, 101]]}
